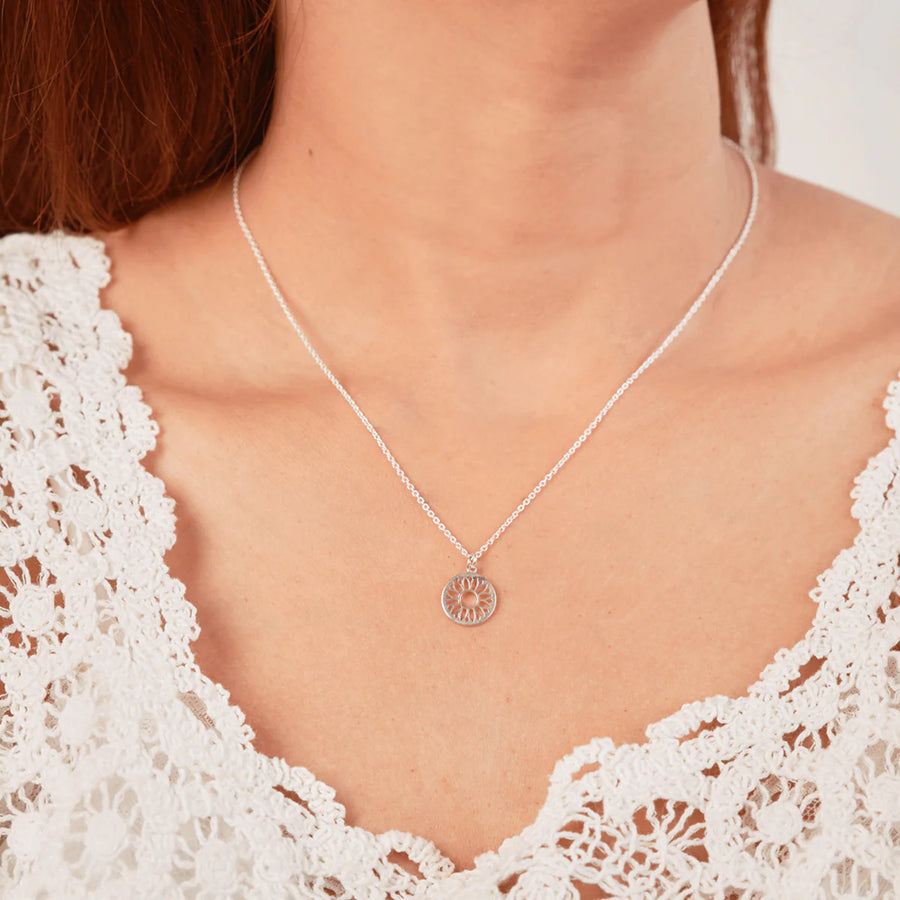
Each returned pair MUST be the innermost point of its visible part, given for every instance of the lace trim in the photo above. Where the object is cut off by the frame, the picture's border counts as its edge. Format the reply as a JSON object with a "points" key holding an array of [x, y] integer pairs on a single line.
{"points": [[596, 789]]}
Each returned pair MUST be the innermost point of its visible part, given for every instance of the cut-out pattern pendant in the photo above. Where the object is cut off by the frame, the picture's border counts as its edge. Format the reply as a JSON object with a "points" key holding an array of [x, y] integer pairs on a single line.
{"points": [[469, 599]]}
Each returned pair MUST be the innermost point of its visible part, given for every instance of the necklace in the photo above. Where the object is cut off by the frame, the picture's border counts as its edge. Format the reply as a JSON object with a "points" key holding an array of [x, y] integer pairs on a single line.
{"points": [[470, 598]]}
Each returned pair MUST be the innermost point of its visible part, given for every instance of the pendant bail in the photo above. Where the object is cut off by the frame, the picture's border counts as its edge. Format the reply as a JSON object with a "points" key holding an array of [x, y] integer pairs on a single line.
{"points": [[471, 565]]}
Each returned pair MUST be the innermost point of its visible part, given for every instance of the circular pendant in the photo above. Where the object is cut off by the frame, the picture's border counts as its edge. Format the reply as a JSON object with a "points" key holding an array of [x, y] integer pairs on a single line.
{"points": [[469, 599]]}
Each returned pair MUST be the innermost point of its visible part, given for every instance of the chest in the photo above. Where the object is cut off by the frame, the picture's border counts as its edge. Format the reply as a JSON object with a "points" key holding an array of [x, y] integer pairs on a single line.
{"points": [[664, 564]]}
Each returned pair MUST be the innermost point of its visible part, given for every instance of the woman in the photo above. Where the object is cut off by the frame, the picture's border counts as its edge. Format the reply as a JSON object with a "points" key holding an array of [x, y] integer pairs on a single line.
{"points": [[486, 217]]}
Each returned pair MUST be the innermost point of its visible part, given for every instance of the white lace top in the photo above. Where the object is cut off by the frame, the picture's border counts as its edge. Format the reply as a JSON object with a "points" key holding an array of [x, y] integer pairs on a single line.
{"points": [[125, 772]]}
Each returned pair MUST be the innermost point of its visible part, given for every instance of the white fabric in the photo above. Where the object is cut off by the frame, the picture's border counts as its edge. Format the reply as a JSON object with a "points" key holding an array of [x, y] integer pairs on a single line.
{"points": [[126, 773]]}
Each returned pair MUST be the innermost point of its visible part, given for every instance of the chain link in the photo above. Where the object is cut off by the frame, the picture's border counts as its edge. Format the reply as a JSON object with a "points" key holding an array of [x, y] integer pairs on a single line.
{"points": [[472, 558]]}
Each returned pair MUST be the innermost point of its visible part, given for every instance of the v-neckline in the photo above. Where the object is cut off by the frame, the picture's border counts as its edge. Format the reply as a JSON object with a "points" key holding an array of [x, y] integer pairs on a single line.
{"points": [[676, 740]]}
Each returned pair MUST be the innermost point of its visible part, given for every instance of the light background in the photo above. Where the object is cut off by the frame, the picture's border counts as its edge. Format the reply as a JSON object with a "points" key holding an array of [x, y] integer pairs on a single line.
{"points": [[835, 87]]}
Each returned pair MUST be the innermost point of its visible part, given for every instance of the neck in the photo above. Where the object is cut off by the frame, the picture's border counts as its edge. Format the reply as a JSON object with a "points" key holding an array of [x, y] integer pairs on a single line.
{"points": [[496, 169]]}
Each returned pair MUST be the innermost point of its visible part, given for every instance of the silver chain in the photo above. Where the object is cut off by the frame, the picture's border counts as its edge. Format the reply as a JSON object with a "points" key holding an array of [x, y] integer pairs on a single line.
{"points": [[472, 558]]}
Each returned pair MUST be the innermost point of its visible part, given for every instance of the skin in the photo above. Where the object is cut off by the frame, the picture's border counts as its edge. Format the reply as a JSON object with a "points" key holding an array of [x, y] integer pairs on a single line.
{"points": [[487, 216]]}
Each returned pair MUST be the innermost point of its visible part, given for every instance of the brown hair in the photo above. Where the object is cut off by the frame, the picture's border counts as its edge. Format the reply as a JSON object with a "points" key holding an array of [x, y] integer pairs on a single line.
{"points": [[109, 109]]}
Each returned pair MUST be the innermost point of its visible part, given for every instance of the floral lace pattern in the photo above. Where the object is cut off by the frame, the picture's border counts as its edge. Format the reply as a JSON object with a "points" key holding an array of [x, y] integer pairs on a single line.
{"points": [[125, 772]]}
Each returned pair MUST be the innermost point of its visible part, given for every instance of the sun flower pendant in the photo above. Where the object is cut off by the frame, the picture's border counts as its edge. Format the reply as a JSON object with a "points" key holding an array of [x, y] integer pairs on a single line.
{"points": [[469, 599]]}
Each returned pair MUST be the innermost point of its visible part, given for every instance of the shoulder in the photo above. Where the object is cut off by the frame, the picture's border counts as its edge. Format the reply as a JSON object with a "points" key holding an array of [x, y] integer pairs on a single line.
{"points": [[50, 287], [844, 251], [818, 284], [30, 260]]}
